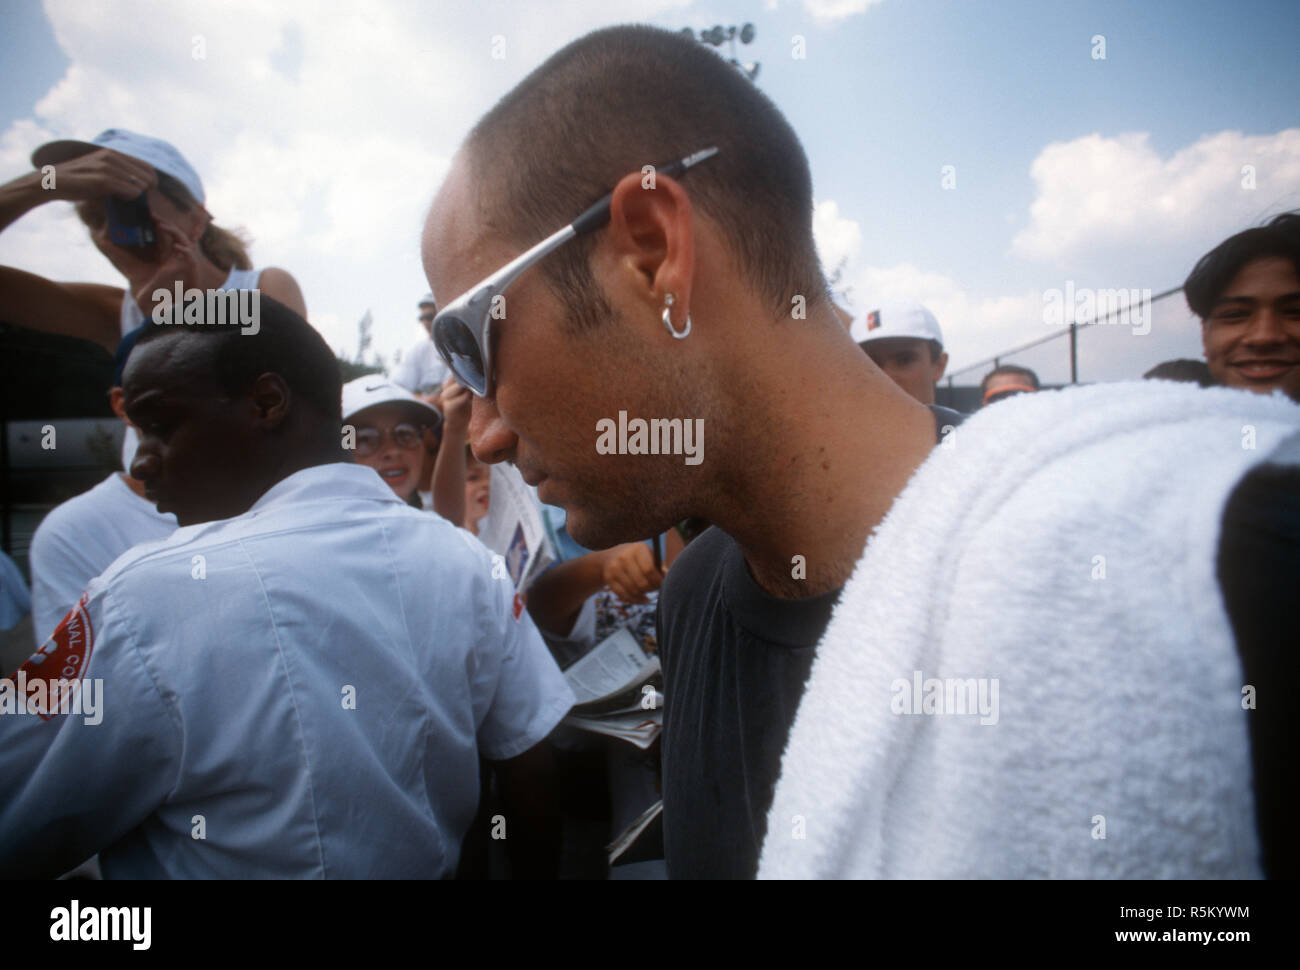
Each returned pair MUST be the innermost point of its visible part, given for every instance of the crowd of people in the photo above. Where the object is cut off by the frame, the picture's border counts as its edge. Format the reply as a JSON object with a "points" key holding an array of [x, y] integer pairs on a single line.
{"points": [[311, 667]]}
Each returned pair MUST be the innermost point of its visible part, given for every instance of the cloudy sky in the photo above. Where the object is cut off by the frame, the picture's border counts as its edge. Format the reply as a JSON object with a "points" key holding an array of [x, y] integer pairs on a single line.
{"points": [[974, 156]]}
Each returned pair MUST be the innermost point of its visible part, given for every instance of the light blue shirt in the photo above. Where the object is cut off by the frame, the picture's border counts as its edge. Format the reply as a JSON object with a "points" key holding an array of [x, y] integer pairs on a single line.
{"points": [[301, 691], [15, 600]]}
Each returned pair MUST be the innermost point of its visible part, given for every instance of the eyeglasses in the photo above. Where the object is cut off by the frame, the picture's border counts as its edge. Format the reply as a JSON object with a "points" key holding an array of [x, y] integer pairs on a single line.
{"points": [[461, 331], [404, 436]]}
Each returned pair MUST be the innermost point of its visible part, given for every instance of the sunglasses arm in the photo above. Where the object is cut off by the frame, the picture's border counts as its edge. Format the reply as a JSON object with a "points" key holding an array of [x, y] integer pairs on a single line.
{"points": [[597, 215], [499, 280]]}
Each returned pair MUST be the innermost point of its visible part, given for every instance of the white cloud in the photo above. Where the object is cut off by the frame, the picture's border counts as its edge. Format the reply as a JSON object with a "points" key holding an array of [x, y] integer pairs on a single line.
{"points": [[825, 12], [329, 162], [838, 239], [1109, 207], [973, 327]]}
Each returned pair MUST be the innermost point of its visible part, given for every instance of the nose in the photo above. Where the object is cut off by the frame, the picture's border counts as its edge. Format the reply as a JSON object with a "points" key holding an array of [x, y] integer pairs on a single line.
{"points": [[388, 449], [1265, 327], [490, 438], [146, 464]]}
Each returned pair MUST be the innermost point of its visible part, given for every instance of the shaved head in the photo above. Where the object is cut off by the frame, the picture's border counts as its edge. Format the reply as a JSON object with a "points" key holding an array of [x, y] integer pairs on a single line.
{"points": [[621, 99]]}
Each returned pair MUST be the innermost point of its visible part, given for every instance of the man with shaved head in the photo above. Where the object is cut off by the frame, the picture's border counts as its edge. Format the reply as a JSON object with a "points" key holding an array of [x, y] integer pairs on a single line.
{"points": [[625, 240], [727, 246]]}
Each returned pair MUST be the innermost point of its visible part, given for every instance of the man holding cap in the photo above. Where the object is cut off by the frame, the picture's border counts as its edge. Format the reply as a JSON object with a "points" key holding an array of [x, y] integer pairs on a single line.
{"points": [[421, 369], [904, 340]]}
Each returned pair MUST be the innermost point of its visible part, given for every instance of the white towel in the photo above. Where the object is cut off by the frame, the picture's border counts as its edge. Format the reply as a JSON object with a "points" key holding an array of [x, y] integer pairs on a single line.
{"points": [[1062, 545]]}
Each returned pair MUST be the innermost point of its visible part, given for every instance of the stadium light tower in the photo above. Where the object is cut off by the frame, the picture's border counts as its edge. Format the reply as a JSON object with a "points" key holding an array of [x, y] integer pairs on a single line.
{"points": [[718, 35]]}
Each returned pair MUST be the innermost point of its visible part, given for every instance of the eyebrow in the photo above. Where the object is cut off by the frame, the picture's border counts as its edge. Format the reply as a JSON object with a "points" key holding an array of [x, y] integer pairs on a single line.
{"points": [[1251, 301], [151, 401]]}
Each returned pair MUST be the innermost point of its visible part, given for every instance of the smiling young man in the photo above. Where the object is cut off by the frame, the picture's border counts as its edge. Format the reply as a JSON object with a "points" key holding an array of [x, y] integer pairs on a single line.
{"points": [[1247, 293], [630, 230], [299, 682]]}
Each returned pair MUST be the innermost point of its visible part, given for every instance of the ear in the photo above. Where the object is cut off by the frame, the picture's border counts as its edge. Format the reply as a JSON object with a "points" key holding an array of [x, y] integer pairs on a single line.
{"points": [[940, 366], [115, 402], [651, 241], [271, 400]]}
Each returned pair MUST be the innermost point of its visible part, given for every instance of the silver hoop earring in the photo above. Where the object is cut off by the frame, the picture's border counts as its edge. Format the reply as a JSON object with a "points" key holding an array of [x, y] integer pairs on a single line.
{"points": [[668, 319]]}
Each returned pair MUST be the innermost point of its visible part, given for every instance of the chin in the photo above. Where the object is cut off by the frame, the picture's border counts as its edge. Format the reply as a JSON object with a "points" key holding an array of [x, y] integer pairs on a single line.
{"points": [[598, 532]]}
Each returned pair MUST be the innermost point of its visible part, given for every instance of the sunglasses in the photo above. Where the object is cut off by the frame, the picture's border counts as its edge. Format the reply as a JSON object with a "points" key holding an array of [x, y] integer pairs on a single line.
{"points": [[370, 440], [462, 330]]}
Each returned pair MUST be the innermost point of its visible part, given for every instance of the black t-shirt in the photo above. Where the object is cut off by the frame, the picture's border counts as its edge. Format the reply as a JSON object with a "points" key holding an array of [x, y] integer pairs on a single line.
{"points": [[735, 660], [1259, 574]]}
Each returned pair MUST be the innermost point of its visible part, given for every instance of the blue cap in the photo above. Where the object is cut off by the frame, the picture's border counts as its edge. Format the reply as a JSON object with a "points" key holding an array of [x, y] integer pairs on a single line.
{"points": [[152, 151]]}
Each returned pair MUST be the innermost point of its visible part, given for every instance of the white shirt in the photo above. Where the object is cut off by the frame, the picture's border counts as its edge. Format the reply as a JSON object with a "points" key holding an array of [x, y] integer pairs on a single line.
{"points": [[420, 367], [15, 601], [311, 682], [79, 539]]}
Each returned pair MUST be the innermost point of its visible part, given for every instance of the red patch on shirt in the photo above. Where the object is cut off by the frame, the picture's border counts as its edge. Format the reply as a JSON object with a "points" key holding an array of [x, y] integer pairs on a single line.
{"points": [[519, 605], [63, 656]]}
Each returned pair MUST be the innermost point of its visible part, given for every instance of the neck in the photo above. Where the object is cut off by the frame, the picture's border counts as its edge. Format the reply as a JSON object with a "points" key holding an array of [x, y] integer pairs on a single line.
{"points": [[210, 277], [828, 445], [289, 462], [133, 484]]}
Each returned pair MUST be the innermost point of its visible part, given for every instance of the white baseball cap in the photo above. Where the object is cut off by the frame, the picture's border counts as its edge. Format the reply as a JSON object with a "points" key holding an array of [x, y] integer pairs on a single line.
{"points": [[371, 389], [152, 151], [905, 318]]}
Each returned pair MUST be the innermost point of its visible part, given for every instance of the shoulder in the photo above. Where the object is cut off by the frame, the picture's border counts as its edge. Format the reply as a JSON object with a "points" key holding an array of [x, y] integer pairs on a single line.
{"points": [[280, 285], [74, 515], [702, 558]]}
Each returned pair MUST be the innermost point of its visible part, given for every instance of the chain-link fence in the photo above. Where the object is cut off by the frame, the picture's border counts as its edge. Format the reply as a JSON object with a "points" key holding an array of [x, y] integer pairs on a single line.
{"points": [[1117, 345]]}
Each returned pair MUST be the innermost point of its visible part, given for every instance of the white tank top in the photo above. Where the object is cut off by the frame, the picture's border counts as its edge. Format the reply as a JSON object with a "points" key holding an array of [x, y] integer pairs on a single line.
{"points": [[239, 279]]}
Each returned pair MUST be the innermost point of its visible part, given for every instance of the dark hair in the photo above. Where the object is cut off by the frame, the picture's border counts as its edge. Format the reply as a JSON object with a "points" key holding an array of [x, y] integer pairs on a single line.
{"points": [[1014, 369], [1216, 269], [284, 344], [625, 97], [936, 349], [1183, 369]]}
